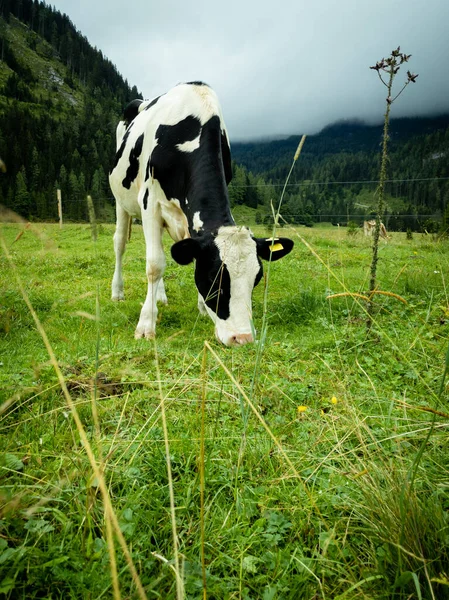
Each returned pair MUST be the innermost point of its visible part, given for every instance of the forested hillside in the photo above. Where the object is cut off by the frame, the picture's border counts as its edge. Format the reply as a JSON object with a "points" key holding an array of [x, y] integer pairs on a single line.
{"points": [[60, 100], [328, 178]]}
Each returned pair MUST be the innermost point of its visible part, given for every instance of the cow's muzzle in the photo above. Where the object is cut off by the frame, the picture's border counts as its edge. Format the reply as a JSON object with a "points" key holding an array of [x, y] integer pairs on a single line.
{"points": [[236, 339]]}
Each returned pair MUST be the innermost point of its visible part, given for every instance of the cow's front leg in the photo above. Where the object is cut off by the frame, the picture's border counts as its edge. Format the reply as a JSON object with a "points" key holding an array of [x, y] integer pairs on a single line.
{"points": [[161, 295], [120, 239], [155, 266]]}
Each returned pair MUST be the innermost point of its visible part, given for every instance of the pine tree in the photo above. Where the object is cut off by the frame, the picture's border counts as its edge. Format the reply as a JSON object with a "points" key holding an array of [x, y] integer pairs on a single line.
{"points": [[22, 196], [35, 179], [237, 189]]}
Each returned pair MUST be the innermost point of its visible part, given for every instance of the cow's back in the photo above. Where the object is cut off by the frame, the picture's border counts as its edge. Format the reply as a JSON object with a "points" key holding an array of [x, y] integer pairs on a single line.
{"points": [[177, 112]]}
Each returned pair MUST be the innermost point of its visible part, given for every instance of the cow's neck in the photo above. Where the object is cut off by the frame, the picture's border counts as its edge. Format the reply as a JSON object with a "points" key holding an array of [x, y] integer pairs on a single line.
{"points": [[207, 211]]}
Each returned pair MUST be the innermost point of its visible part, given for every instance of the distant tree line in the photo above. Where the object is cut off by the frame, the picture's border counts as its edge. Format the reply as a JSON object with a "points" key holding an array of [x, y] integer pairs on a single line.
{"points": [[335, 163]]}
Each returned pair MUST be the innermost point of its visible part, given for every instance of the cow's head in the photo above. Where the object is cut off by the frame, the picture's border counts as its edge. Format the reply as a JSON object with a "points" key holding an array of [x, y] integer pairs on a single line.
{"points": [[227, 268]]}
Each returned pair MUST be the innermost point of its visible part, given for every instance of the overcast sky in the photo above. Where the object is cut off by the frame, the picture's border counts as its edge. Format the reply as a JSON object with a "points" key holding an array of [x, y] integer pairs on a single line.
{"points": [[279, 67]]}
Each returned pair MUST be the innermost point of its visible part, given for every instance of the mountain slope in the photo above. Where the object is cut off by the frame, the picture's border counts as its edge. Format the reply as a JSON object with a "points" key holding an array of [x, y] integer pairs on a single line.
{"points": [[336, 174], [343, 137], [60, 100]]}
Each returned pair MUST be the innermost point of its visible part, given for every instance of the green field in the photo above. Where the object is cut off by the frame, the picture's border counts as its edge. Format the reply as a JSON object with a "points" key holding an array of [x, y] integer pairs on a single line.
{"points": [[311, 465]]}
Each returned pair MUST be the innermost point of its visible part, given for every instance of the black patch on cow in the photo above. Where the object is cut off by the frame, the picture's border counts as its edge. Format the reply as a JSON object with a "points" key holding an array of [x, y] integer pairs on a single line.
{"points": [[259, 273], [152, 103], [218, 292], [266, 248], [212, 278], [169, 136], [172, 167], [211, 274], [198, 175], [145, 199], [133, 168], [131, 111], [120, 151], [147, 171], [196, 83], [184, 251], [226, 157]]}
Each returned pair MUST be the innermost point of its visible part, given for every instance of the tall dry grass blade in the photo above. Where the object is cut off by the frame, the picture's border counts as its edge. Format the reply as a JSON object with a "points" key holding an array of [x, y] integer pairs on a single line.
{"points": [[263, 330], [7, 403], [202, 469], [82, 432], [423, 409], [345, 294], [20, 234], [368, 299], [94, 396], [390, 294], [9, 216], [112, 557], [299, 148], [178, 575]]}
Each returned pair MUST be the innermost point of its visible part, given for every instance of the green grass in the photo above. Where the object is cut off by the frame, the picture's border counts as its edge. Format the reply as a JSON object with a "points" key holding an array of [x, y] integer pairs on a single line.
{"points": [[328, 502]]}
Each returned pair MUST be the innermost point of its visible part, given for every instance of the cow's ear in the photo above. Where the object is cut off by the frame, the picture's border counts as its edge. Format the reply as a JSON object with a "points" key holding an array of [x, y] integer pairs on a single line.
{"points": [[185, 251], [275, 247]]}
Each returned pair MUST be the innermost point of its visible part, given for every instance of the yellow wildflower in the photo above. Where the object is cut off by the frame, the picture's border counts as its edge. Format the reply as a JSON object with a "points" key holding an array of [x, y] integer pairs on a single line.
{"points": [[334, 400], [302, 408]]}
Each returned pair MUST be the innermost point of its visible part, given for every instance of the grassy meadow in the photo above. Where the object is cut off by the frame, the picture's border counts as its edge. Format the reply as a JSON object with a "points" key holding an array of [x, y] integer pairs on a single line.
{"points": [[313, 464]]}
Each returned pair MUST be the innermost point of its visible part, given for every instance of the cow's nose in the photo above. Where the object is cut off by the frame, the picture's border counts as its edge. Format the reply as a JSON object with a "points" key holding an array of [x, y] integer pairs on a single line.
{"points": [[240, 339]]}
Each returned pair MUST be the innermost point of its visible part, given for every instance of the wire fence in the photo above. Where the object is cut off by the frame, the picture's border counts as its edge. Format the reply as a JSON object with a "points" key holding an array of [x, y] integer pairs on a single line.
{"points": [[351, 206], [357, 182]]}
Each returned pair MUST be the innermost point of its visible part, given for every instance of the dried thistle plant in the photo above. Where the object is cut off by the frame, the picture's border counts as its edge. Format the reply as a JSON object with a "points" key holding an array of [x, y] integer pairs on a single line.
{"points": [[387, 69]]}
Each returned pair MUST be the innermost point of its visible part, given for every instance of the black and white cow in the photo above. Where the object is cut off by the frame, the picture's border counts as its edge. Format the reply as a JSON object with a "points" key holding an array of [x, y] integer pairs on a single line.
{"points": [[171, 170]]}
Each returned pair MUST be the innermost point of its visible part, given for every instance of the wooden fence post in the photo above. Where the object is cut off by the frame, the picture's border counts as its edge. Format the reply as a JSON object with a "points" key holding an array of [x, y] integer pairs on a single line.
{"points": [[58, 195], [92, 219]]}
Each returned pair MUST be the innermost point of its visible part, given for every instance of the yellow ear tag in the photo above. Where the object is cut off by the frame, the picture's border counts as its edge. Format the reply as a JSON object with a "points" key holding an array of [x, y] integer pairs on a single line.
{"points": [[276, 247]]}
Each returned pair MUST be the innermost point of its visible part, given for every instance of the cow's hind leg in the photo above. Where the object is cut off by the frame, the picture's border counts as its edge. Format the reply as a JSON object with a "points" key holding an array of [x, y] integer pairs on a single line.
{"points": [[155, 267], [120, 239]]}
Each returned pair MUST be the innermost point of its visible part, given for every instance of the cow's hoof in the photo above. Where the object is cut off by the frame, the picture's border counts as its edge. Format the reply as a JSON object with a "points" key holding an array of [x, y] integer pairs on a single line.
{"points": [[118, 298], [142, 333]]}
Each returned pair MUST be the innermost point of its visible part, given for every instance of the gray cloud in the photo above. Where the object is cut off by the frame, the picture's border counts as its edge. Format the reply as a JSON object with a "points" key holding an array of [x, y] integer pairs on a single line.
{"points": [[281, 67]]}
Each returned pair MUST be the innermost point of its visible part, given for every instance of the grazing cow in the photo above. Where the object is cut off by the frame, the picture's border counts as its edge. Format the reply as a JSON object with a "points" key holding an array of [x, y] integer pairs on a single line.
{"points": [[171, 170], [369, 227]]}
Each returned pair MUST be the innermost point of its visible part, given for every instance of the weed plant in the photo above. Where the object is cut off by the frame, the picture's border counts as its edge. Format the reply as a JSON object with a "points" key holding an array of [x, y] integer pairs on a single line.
{"points": [[388, 68], [312, 505]]}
